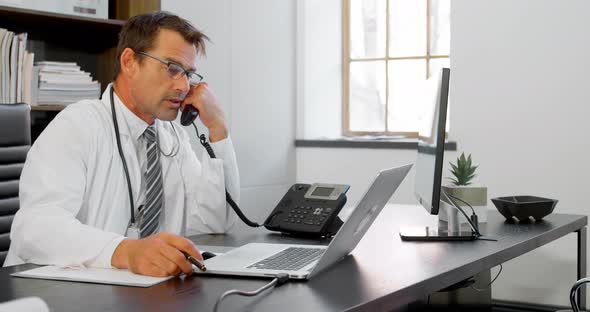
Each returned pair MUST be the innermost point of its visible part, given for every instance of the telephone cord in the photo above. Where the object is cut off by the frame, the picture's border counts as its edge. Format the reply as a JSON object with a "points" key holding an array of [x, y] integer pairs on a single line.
{"points": [[228, 198]]}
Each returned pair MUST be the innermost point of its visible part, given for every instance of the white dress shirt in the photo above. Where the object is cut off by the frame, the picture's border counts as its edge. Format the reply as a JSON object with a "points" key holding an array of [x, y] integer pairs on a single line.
{"points": [[74, 202]]}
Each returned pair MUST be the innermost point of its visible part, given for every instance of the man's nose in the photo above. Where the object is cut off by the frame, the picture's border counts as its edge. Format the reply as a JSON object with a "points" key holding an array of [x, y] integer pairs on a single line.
{"points": [[181, 84]]}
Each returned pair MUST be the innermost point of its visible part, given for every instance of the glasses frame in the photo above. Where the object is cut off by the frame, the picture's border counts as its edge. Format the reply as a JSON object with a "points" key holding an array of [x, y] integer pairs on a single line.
{"points": [[185, 72]]}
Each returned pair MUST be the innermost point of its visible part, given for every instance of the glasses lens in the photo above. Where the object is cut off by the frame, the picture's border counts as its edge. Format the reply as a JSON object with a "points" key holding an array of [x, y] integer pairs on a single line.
{"points": [[194, 78], [175, 71]]}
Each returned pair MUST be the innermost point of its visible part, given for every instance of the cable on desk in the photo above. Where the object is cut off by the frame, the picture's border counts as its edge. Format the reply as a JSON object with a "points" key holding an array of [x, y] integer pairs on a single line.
{"points": [[490, 284], [459, 199], [279, 280]]}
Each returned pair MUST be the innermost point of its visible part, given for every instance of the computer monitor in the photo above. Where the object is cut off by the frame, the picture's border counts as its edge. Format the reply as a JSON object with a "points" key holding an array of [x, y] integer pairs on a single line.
{"points": [[429, 170], [431, 146]]}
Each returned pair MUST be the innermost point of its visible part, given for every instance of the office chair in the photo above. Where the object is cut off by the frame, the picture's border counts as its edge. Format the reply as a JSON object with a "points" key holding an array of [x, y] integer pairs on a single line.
{"points": [[15, 141], [574, 295]]}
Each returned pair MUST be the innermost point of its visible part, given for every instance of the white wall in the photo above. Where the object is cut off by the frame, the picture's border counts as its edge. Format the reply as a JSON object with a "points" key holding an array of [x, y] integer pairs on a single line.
{"points": [[319, 68], [520, 105], [520, 76], [250, 65]]}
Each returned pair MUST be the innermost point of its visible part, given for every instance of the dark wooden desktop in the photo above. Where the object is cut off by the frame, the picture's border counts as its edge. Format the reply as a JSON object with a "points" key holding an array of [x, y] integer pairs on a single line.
{"points": [[382, 273]]}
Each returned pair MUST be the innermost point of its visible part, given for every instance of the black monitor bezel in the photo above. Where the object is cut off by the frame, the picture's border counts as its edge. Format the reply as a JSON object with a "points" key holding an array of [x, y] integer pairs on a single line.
{"points": [[439, 149]]}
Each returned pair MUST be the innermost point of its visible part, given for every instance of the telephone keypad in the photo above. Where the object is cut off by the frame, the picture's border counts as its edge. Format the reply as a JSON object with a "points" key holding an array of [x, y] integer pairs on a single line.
{"points": [[308, 215], [298, 214]]}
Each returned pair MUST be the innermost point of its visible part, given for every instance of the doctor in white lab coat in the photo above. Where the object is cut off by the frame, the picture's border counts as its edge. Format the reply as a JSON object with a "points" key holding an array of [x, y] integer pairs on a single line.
{"points": [[74, 201]]}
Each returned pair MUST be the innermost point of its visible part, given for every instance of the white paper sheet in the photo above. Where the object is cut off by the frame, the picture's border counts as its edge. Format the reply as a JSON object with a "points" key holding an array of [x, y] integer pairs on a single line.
{"points": [[28, 304], [92, 275]]}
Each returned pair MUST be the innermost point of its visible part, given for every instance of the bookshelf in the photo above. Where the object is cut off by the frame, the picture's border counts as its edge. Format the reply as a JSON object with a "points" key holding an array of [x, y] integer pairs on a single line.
{"points": [[90, 42], [58, 37]]}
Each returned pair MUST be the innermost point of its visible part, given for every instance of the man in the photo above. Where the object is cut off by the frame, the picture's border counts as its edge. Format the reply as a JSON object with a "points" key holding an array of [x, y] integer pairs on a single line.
{"points": [[75, 203]]}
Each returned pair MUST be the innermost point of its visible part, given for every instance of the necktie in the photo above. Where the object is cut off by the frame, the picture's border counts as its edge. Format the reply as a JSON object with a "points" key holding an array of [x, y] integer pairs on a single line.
{"points": [[148, 223]]}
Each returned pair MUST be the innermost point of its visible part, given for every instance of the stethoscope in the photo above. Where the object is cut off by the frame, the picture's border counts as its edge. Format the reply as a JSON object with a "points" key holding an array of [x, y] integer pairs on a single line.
{"points": [[172, 153], [205, 144]]}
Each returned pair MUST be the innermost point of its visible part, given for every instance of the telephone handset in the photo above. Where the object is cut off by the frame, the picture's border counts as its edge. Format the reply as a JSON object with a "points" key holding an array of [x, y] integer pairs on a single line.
{"points": [[305, 210], [189, 114]]}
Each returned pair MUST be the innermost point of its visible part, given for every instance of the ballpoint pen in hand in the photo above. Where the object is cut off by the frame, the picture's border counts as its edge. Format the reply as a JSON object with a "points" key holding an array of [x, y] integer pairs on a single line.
{"points": [[196, 262]]}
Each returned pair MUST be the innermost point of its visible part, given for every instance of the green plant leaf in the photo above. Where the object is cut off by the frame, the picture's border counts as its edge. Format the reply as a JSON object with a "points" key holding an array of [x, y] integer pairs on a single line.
{"points": [[463, 170]]}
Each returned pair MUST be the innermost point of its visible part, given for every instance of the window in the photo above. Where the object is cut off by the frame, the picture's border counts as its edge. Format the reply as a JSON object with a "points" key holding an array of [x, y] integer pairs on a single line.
{"points": [[390, 48]]}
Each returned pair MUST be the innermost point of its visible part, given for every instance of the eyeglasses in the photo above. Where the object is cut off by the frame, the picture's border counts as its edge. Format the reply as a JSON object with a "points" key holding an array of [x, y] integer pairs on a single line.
{"points": [[175, 71]]}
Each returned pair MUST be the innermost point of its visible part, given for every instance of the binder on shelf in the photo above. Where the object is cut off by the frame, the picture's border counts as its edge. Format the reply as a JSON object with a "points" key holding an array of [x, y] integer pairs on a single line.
{"points": [[3, 33], [35, 85], [93, 8], [13, 67], [5, 83], [22, 44], [28, 77]]}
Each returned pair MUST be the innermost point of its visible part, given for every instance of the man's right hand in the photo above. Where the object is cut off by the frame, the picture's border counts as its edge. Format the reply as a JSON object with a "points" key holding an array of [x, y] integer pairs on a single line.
{"points": [[157, 255]]}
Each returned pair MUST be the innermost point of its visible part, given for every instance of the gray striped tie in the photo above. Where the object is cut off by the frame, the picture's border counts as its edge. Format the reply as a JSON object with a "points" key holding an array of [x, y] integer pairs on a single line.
{"points": [[148, 223]]}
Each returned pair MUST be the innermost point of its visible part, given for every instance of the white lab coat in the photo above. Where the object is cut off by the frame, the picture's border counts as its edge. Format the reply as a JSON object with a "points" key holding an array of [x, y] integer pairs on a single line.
{"points": [[74, 204]]}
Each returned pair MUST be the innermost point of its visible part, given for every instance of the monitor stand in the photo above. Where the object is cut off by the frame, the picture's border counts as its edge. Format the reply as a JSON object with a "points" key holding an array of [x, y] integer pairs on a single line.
{"points": [[447, 230]]}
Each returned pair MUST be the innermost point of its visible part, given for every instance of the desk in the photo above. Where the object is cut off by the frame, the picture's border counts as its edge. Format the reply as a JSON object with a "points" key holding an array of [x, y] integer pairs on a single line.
{"points": [[383, 272]]}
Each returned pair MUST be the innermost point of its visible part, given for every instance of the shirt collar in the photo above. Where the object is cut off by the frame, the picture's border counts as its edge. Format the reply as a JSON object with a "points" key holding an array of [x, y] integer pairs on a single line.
{"points": [[135, 124]]}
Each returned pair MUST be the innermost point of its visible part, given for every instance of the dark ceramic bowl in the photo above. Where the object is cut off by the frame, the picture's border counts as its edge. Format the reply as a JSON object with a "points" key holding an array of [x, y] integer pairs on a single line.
{"points": [[524, 207]]}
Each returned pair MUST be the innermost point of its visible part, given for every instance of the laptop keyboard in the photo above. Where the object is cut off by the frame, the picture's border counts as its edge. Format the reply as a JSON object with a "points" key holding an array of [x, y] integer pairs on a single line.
{"points": [[290, 259]]}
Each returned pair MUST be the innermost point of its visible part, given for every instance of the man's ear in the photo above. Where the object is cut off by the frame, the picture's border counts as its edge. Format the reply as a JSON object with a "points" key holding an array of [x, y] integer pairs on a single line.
{"points": [[129, 64]]}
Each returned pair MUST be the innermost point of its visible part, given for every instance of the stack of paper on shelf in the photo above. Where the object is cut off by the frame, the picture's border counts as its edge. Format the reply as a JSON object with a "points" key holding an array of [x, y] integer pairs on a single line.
{"points": [[62, 83], [16, 67], [22, 80]]}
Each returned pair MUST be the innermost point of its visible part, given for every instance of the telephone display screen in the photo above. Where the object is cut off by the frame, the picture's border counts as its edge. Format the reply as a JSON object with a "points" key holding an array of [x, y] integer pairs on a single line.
{"points": [[322, 191]]}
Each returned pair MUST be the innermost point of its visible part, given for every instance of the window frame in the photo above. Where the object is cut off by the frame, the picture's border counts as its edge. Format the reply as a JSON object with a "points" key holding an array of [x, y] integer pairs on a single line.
{"points": [[346, 61]]}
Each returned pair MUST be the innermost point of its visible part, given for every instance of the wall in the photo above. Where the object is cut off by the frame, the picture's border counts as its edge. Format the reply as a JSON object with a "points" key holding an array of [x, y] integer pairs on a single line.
{"points": [[319, 67], [524, 112], [250, 65], [520, 104]]}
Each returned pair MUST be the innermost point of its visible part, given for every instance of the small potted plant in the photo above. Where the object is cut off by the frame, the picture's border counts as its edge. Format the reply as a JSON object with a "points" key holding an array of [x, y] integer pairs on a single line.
{"points": [[463, 171]]}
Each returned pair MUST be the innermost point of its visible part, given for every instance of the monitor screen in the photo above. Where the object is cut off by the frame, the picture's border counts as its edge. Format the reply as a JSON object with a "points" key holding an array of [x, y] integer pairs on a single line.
{"points": [[431, 145]]}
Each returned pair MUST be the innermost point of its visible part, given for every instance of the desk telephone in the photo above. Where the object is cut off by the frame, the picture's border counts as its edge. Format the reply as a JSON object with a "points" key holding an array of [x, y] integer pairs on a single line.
{"points": [[305, 210], [309, 210]]}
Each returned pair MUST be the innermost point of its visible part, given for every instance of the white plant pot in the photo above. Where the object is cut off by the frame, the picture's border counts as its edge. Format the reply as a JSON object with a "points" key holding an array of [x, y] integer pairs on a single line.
{"points": [[476, 196]]}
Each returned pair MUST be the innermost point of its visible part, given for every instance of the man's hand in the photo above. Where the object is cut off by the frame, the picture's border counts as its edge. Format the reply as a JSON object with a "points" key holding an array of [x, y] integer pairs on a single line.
{"points": [[202, 98], [157, 255]]}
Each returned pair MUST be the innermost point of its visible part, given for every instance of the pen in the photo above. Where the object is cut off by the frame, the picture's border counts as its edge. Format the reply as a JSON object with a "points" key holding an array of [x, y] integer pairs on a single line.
{"points": [[196, 262]]}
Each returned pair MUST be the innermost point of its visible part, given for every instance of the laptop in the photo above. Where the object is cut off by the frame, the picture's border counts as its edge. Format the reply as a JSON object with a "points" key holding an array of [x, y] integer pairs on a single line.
{"points": [[305, 261]]}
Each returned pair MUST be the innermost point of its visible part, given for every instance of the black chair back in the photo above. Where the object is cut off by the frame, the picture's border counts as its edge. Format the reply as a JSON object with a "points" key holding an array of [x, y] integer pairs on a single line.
{"points": [[15, 141]]}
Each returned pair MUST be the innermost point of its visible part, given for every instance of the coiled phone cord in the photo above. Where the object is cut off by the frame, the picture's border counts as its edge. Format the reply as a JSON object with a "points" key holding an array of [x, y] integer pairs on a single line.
{"points": [[228, 197]]}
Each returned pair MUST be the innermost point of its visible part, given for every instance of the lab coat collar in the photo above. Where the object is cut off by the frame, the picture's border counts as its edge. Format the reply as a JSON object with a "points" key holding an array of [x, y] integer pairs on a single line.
{"points": [[135, 124], [133, 127]]}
